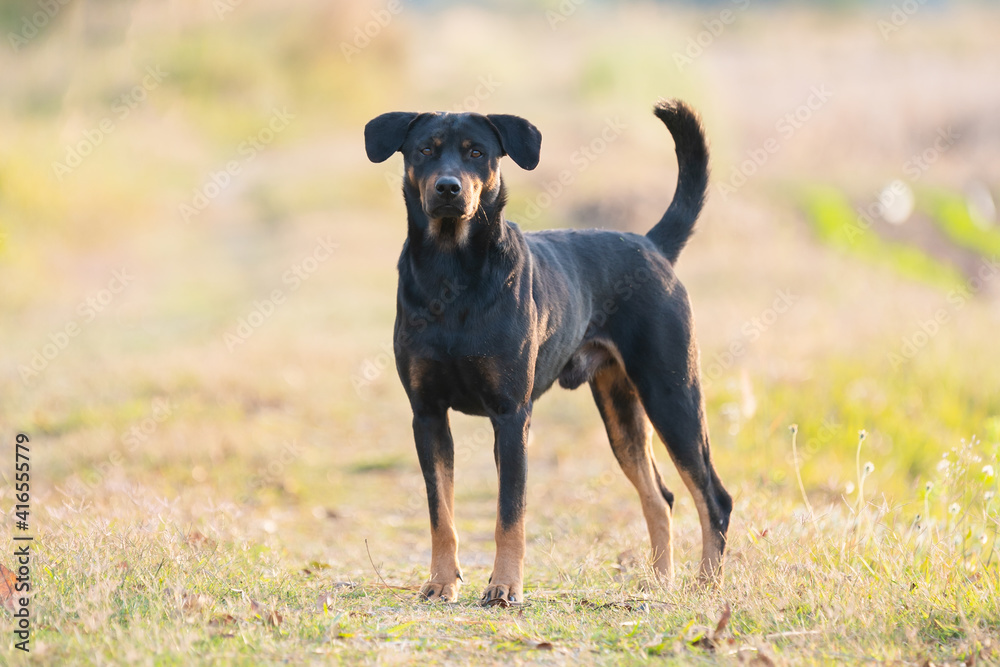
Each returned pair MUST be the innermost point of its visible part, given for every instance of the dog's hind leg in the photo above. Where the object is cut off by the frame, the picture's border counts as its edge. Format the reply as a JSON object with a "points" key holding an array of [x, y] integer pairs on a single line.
{"points": [[631, 434], [668, 386]]}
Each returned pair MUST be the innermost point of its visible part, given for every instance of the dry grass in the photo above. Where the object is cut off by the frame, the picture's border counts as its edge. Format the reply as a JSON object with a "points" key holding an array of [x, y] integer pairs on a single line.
{"points": [[261, 477]]}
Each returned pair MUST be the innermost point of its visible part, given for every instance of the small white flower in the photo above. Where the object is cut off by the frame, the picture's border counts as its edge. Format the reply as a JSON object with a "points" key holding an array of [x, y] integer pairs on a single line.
{"points": [[983, 538], [988, 471], [943, 465], [954, 509], [988, 495], [929, 487], [849, 488], [869, 468]]}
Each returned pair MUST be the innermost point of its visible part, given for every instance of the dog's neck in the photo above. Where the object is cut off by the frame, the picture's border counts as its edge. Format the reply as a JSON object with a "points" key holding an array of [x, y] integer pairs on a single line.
{"points": [[471, 247]]}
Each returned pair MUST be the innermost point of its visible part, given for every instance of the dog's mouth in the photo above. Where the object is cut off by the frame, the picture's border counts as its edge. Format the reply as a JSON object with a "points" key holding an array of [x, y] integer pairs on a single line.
{"points": [[449, 224], [450, 210]]}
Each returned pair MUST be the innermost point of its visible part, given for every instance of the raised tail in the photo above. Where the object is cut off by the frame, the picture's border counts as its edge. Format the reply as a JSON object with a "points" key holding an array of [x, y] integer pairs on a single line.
{"points": [[676, 225]]}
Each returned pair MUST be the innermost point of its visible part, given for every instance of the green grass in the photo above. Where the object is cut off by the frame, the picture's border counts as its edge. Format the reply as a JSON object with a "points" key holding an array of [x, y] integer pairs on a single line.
{"points": [[275, 515], [853, 584], [839, 226], [952, 215]]}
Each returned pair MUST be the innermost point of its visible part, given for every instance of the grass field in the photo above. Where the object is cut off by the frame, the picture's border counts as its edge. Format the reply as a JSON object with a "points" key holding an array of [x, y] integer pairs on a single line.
{"points": [[198, 270]]}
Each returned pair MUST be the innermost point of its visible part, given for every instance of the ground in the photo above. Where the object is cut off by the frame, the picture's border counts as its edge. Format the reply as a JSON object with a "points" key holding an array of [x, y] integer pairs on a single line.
{"points": [[199, 273]]}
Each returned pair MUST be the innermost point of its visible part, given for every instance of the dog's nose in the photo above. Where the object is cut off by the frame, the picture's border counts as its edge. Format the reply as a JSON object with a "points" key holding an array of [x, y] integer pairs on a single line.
{"points": [[448, 186]]}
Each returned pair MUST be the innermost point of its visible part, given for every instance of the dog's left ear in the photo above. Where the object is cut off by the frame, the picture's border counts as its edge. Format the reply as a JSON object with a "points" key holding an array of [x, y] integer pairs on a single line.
{"points": [[385, 134], [518, 138]]}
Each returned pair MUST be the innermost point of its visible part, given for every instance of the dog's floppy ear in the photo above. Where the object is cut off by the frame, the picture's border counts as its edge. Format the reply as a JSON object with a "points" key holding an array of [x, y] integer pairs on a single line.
{"points": [[519, 139], [385, 134]]}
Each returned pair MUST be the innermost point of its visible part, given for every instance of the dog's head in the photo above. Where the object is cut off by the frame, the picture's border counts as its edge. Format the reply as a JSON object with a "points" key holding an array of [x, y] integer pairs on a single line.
{"points": [[452, 160]]}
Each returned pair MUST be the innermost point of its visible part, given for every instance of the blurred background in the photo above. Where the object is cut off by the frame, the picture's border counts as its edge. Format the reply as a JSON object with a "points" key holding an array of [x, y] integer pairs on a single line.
{"points": [[198, 262]]}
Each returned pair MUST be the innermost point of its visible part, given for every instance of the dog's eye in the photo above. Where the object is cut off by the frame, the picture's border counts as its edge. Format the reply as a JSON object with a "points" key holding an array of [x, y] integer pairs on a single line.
{"points": [[475, 153], [426, 150]]}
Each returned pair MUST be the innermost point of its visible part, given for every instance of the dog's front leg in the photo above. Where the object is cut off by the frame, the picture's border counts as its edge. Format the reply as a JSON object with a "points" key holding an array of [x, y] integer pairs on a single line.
{"points": [[436, 452], [510, 439]]}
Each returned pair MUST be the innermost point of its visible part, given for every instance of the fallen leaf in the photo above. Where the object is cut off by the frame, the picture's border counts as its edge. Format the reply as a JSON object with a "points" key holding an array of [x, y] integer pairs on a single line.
{"points": [[537, 644], [198, 540], [723, 620], [324, 602], [315, 566], [701, 637], [268, 616], [225, 619], [8, 580], [709, 638]]}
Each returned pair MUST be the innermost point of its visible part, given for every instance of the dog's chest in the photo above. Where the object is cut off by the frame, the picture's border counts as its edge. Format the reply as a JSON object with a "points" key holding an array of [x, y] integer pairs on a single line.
{"points": [[475, 385]]}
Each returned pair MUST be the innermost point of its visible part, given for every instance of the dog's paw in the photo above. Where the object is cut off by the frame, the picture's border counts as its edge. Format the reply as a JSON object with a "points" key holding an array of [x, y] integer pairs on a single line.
{"points": [[502, 594], [435, 591]]}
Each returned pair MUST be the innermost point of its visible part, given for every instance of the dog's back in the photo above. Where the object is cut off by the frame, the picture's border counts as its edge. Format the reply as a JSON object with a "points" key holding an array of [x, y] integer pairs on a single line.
{"points": [[608, 283]]}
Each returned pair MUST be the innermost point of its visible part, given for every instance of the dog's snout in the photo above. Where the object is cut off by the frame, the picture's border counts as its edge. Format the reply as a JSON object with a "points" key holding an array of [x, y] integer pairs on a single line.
{"points": [[448, 186]]}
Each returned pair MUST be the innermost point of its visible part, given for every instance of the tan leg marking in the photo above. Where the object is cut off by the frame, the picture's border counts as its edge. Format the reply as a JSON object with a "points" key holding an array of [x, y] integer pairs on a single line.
{"points": [[711, 541], [444, 582], [507, 580], [632, 442]]}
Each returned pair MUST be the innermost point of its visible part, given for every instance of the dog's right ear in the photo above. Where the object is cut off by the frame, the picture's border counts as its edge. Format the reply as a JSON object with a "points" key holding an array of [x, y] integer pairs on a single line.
{"points": [[385, 134]]}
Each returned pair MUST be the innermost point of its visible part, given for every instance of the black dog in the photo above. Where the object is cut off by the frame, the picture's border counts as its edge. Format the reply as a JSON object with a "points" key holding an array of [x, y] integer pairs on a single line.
{"points": [[488, 318]]}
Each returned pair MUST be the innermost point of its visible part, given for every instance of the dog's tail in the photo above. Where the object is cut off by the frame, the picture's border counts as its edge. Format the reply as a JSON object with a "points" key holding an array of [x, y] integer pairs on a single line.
{"points": [[676, 225]]}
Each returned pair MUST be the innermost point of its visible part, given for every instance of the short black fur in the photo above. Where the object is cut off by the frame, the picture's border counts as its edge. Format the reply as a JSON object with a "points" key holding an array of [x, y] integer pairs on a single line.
{"points": [[488, 317]]}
